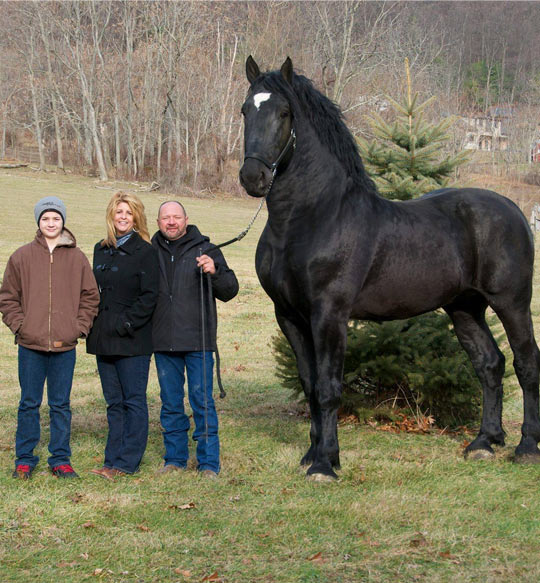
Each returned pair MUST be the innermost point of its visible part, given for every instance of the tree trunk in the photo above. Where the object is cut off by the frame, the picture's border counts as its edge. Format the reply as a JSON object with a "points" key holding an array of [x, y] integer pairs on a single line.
{"points": [[37, 123]]}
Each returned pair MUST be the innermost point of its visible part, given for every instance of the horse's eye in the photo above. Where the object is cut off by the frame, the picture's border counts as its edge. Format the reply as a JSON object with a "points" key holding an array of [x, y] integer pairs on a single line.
{"points": [[284, 114]]}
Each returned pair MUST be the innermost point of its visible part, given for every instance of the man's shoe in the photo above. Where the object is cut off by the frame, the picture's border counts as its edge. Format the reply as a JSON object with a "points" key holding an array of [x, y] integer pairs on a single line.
{"points": [[108, 473], [170, 468], [64, 471], [23, 471], [103, 472], [209, 474]]}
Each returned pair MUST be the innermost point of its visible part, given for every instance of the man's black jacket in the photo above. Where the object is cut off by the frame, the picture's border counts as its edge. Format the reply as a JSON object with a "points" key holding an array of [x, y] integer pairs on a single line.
{"points": [[177, 324]]}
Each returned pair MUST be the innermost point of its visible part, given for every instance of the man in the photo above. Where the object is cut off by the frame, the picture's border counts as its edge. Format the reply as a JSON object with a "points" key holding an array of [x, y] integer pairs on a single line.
{"points": [[48, 299], [177, 336]]}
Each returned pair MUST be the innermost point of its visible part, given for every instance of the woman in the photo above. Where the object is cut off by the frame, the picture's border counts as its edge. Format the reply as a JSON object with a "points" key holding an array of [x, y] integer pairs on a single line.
{"points": [[126, 270]]}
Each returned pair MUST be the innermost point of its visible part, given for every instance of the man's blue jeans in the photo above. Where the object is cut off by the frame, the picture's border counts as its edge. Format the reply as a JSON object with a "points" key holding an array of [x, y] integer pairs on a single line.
{"points": [[175, 423], [35, 367], [124, 380]]}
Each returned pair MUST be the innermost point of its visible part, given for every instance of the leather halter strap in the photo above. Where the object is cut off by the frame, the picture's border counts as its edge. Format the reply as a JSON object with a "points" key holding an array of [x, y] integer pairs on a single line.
{"points": [[291, 143]]}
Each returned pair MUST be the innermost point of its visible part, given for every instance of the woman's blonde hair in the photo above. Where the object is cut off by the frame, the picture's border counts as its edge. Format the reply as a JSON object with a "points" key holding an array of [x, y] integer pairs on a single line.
{"points": [[139, 217]]}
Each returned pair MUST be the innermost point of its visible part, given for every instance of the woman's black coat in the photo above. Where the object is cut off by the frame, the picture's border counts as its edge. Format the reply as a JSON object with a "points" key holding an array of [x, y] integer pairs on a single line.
{"points": [[128, 280]]}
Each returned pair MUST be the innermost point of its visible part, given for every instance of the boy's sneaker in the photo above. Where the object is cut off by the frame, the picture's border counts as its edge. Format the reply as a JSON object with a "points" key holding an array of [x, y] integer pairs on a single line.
{"points": [[23, 471], [64, 471]]}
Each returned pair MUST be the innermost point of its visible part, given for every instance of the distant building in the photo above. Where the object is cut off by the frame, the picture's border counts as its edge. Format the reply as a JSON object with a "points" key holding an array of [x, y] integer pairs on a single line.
{"points": [[489, 131], [535, 151]]}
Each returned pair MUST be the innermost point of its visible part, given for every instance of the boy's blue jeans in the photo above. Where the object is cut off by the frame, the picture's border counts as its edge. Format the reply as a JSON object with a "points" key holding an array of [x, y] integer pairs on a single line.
{"points": [[175, 423], [35, 367]]}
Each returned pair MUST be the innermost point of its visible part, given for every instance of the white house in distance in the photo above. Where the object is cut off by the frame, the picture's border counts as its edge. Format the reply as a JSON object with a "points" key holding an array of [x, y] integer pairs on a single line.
{"points": [[488, 131]]}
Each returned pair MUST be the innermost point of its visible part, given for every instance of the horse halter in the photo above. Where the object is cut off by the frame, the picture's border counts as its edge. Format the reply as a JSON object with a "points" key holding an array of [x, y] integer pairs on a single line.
{"points": [[291, 143]]}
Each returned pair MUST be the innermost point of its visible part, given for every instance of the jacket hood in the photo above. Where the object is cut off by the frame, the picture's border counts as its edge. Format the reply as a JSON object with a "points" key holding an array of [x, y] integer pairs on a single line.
{"points": [[66, 239]]}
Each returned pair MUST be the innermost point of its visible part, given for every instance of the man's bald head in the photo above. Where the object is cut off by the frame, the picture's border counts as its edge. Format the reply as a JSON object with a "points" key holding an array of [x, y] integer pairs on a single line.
{"points": [[172, 220]]}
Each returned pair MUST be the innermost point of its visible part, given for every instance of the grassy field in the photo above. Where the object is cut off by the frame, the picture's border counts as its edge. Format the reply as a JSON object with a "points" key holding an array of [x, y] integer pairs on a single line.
{"points": [[406, 508]]}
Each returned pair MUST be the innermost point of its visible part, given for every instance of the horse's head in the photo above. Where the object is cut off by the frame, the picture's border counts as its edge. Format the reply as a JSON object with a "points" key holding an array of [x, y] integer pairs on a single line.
{"points": [[269, 137]]}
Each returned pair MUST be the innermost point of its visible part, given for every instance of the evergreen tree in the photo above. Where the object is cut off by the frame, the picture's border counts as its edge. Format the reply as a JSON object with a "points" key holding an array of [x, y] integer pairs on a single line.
{"points": [[405, 158]]}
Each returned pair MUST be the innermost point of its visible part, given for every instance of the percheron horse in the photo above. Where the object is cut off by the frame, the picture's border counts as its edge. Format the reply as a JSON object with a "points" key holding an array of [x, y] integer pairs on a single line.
{"points": [[333, 249]]}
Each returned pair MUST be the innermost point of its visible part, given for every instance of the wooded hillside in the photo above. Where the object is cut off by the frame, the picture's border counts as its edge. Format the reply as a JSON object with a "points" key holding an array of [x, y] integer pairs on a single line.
{"points": [[152, 90]]}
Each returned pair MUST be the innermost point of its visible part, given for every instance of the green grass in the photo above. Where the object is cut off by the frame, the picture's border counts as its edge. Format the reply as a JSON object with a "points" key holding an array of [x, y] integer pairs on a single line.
{"points": [[406, 507]]}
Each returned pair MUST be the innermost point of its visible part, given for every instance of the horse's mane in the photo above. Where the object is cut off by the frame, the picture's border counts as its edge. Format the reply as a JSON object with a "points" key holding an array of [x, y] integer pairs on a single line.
{"points": [[326, 119]]}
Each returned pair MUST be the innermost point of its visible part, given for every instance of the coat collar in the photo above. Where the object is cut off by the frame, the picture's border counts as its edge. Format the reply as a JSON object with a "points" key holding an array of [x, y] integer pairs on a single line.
{"points": [[66, 239], [129, 247], [192, 238]]}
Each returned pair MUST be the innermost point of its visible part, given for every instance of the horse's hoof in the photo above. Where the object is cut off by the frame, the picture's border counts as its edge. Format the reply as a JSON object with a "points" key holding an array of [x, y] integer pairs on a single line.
{"points": [[321, 478], [527, 458], [479, 455]]}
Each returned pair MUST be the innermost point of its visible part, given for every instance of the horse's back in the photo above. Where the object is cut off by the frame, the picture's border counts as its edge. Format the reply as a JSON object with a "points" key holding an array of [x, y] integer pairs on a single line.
{"points": [[487, 215], [439, 246]]}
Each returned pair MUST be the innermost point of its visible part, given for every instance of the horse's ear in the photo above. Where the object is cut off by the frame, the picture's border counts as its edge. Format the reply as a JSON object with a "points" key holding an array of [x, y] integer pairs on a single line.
{"points": [[252, 69], [286, 70]]}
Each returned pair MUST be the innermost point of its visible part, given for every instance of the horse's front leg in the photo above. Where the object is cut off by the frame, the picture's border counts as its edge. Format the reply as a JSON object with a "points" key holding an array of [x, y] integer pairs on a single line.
{"points": [[299, 336], [329, 340]]}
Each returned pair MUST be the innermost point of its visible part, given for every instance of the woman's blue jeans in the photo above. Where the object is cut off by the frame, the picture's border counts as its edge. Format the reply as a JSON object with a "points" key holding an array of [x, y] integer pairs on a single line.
{"points": [[174, 421], [36, 366], [124, 380]]}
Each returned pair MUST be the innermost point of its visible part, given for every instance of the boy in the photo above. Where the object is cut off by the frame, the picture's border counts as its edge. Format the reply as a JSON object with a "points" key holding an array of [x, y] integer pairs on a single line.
{"points": [[48, 299]]}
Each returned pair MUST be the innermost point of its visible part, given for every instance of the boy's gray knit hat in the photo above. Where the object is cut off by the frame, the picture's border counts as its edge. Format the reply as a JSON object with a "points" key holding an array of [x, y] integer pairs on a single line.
{"points": [[50, 203]]}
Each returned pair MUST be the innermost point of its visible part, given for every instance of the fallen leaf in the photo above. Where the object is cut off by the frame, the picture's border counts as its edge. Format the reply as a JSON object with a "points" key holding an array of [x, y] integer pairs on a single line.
{"points": [[89, 525], [143, 528], [264, 535], [188, 506], [98, 571], [317, 558], [84, 556], [182, 572], [213, 577], [419, 541], [234, 498], [76, 498], [239, 368], [65, 564]]}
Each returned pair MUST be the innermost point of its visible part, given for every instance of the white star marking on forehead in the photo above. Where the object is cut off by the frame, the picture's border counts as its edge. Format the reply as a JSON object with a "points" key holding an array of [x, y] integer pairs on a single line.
{"points": [[260, 98]]}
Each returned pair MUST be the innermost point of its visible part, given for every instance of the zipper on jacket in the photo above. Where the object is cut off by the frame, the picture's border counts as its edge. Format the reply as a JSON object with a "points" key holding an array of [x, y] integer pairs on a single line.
{"points": [[171, 286], [50, 296]]}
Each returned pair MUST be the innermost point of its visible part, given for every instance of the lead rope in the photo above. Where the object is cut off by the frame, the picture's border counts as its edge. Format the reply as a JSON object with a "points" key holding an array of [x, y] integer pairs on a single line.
{"points": [[203, 340], [222, 393], [246, 230], [239, 237]]}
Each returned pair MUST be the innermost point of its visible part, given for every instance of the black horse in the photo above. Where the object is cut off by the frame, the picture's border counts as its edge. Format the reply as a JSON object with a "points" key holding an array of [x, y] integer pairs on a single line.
{"points": [[333, 249]]}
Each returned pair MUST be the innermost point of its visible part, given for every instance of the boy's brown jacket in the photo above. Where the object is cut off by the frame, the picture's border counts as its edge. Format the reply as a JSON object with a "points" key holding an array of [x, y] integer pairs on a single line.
{"points": [[49, 300]]}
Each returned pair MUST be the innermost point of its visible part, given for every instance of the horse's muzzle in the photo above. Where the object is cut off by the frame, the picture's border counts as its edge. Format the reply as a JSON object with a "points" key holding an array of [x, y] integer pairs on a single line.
{"points": [[255, 177]]}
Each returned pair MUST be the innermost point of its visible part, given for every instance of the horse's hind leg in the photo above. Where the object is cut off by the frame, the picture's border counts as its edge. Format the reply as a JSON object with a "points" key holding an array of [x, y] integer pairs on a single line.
{"points": [[519, 329], [474, 335]]}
